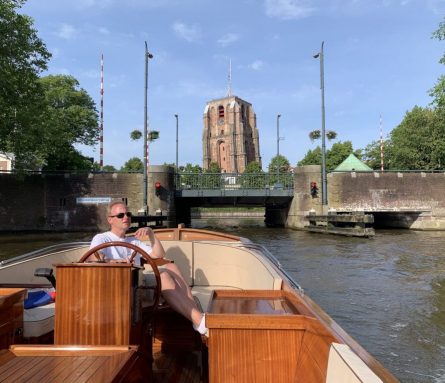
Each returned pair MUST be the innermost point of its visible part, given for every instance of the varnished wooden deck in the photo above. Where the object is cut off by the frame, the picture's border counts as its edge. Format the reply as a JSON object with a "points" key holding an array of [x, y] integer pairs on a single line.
{"points": [[178, 352], [178, 367]]}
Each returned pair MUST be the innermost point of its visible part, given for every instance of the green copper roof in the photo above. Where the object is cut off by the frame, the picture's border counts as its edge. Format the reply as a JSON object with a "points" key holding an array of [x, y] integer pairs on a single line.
{"points": [[352, 163]]}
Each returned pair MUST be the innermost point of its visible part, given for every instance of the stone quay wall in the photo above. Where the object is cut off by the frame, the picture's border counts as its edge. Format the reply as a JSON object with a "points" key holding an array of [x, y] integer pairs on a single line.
{"points": [[64, 202]]}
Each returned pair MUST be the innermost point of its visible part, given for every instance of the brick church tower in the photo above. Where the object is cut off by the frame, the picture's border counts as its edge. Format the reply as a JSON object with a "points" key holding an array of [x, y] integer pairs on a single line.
{"points": [[230, 136]]}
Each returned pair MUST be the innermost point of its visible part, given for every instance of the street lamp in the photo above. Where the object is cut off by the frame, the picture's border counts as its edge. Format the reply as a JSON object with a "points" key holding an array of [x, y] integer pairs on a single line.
{"points": [[278, 142], [177, 142], [324, 195], [148, 55]]}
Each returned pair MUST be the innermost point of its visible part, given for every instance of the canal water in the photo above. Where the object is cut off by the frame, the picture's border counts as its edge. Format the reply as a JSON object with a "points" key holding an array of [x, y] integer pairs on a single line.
{"points": [[387, 292]]}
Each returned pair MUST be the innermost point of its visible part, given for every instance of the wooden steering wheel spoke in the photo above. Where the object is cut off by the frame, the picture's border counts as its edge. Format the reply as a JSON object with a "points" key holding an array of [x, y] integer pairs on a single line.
{"points": [[133, 255], [98, 256]]}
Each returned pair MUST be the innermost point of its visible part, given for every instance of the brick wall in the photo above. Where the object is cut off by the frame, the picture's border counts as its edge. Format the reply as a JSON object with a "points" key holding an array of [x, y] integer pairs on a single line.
{"points": [[386, 191], [48, 202]]}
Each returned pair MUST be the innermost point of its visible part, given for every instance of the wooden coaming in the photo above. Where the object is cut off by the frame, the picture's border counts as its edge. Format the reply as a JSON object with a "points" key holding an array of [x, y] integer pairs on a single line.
{"points": [[187, 234], [264, 338]]}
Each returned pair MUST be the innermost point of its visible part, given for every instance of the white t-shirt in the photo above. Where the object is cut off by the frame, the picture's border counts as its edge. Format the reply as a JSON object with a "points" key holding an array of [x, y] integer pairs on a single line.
{"points": [[119, 252]]}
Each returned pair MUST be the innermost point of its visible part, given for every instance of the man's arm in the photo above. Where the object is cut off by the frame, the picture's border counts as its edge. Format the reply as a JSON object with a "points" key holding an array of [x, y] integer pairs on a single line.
{"points": [[96, 241], [157, 250]]}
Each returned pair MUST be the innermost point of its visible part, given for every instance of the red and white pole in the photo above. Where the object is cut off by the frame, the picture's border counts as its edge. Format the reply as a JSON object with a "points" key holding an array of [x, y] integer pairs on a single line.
{"points": [[101, 128], [381, 145]]}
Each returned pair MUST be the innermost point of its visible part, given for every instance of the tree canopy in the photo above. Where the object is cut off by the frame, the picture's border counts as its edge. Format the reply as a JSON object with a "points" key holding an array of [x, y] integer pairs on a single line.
{"points": [[23, 56], [334, 156], [253, 167], [438, 91], [41, 118], [134, 164], [69, 117], [279, 164]]}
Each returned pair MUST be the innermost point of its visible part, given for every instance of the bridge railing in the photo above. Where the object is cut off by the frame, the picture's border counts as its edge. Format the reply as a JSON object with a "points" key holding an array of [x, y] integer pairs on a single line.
{"points": [[233, 181]]}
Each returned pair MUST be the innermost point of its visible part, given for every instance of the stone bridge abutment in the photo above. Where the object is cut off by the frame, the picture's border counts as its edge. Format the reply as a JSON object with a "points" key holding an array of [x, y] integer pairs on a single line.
{"points": [[414, 200]]}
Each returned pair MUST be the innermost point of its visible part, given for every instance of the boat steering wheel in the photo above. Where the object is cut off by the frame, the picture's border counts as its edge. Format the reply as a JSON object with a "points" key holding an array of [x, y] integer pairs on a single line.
{"points": [[136, 250]]}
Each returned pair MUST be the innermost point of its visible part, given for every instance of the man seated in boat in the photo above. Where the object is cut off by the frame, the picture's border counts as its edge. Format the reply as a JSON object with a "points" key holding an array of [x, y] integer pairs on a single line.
{"points": [[173, 285]]}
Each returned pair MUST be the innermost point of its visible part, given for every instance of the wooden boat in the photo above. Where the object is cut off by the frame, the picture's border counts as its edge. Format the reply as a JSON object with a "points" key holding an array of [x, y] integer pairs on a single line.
{"points": [[262, 326]]}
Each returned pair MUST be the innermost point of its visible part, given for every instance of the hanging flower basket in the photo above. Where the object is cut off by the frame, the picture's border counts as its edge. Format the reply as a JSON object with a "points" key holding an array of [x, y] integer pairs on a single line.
{"points": [[331, 135], [314, 135]]}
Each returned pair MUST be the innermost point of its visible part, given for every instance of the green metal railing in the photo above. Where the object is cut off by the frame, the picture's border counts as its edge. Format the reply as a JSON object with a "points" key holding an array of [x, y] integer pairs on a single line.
{"points": [[233, 181]]}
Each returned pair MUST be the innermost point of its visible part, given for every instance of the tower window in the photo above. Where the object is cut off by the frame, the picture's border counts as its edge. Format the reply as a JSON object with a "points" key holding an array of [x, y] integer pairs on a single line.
{"points": [[221, 111], [222, 131]]}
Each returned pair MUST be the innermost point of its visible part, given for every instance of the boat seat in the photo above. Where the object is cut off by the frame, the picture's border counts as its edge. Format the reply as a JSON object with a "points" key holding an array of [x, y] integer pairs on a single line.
{"points": [[38, 321], [344, 366]]}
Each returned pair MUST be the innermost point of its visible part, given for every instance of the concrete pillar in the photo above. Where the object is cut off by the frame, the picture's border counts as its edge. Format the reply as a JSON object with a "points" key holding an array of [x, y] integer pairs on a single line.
{"points": [[164, 202], [303, 202]]}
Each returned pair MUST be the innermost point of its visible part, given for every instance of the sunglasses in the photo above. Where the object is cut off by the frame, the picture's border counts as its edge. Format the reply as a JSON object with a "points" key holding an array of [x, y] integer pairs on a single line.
{"points": [[121, 215]]}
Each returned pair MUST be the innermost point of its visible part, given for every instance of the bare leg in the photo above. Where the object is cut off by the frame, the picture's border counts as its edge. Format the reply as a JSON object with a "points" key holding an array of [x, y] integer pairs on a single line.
{"points": [[178, 294]]}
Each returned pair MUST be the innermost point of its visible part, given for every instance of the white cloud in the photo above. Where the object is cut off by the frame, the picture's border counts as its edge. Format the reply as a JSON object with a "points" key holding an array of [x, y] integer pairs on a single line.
{"points": [[67, 32], [83, 4], [91, 73], [190, 33], [104, 31], [289, 9], [228, 39], [256, 65]]}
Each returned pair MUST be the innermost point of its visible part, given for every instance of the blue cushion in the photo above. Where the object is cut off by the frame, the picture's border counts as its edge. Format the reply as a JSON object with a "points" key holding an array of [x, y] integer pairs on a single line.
{"points": [[37, 298]]}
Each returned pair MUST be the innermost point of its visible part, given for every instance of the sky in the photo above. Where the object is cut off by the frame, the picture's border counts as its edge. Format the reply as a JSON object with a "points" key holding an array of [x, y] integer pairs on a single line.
{"points": [[379, 60]]}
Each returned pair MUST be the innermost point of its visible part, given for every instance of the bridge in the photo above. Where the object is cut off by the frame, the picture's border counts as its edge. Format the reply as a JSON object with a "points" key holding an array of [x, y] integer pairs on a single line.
{"points": [[397, 199], [75, 201], [251, 187], [271, 190]]}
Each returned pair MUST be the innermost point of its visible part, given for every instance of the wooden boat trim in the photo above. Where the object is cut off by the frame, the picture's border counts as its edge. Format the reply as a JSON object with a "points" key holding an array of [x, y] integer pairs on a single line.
{"points": [[187, 234]]}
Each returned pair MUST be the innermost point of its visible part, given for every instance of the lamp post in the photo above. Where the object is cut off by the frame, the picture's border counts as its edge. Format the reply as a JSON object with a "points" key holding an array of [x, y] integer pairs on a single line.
{"points": [[177, 142], [324, 195], [148, 55], [278, 143]]}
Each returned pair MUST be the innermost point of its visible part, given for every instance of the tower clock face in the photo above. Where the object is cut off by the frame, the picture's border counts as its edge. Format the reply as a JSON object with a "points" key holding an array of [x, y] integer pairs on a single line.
{"points": [[220, 121]]}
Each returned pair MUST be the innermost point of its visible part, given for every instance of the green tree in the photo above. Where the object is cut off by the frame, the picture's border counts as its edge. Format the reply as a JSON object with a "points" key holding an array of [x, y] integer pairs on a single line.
{"points": [[253, 176], [106, 168], [338, 153], [213, 168], [69, 118], [279, 164], [334, 156], [213, 179], [312, 157], [279, 170], [23, 56], [253, 167], [438, 91], [189, 175], [109, 168], [418, 142], [134, 164], [372, 157]]}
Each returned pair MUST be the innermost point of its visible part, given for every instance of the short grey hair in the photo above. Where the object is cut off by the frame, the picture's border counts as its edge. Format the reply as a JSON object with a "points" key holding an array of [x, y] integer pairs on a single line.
{"points": [[113, 204]]}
